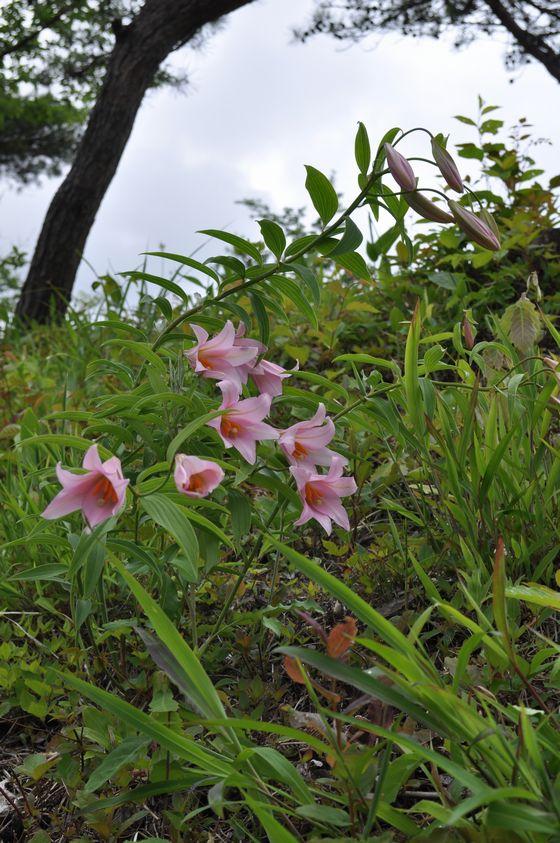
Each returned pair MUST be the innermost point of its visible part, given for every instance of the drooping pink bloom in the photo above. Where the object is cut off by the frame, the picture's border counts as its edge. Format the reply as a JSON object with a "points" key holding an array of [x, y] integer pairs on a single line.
{"points": [[266, 376], [321, 494], [99, 493], [241, 424], [221, 357], [305, 442], [196, 477]]}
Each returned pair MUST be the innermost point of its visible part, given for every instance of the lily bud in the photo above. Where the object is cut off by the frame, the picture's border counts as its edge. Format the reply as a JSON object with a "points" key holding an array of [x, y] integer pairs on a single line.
{"points": [[400, 169], [468, 333], [426, 208], [447, 166], [477, 230]]}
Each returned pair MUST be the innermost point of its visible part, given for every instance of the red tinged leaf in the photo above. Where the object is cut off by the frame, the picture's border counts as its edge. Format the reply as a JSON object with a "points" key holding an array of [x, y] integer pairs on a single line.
{"points": [[341, 638], [293, 670]]}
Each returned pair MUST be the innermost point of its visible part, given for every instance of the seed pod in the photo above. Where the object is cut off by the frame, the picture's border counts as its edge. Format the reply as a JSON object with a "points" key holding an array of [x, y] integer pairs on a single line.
{"points": [[400, 168], [477, 230], [447, 166], [426, 208]]}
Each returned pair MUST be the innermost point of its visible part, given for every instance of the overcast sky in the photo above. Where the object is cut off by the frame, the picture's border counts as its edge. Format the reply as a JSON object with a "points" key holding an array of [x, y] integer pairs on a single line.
{"points": [[258, 108]]}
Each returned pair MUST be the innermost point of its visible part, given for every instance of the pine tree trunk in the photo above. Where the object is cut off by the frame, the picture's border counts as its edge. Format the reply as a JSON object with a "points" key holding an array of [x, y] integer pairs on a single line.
{"points": [[159, 28]]}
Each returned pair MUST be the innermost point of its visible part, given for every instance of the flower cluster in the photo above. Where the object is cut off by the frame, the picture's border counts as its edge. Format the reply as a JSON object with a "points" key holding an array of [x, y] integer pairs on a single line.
{"points": [[231, 359], [480, 228]]}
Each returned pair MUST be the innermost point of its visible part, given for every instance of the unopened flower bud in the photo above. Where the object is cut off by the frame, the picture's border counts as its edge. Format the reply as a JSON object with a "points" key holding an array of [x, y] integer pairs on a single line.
{"points": [[447, 166], [468, 333], [426, 208], [477, 230], [400, 169]]}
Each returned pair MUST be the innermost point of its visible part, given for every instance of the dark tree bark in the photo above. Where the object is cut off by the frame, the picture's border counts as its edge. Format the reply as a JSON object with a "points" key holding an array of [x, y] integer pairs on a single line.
{"points": [[160, 27]]}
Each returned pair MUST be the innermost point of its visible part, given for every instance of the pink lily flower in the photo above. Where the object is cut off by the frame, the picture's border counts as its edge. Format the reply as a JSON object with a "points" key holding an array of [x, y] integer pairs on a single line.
{"points": [[241, 424], [321, 494], [305, 442], [221, 357], [266, 376], [196, 477], [99, 493]]}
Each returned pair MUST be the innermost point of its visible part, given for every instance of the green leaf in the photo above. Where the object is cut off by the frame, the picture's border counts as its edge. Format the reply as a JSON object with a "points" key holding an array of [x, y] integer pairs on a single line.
{"points": [[275, 832], [142, 349], [201, 521], [522, 324], [239, 243], [309, 278], [411, 382], [259, 310], [200, 267], [165, 283], [291, 290], [125, 753], [322, 193], [273, 236], [241, 511], [362, 149], [188, 431], [173, 519], [540, 595], [353, 263], [49, 572], [349, 241], [324, 814], [181, 745], [200, 688]]}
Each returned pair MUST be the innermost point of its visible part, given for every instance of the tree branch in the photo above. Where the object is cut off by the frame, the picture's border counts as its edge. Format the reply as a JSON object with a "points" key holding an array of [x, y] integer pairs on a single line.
{"points": [[533, 45]]}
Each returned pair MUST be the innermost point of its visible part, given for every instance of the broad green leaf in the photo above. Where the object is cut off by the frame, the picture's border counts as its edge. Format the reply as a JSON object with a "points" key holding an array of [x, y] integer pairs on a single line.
{"points": [[173, 518], [540, 595], [188, 431], [48, 572], [165, 283], [200, 687], [273, 236], [322, 193], [239, 243], [125, 753], [362, 149]]}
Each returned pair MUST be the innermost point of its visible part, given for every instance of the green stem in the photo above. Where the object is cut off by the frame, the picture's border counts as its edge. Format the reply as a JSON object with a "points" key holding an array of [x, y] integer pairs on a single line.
{"points": [[233, 593]]}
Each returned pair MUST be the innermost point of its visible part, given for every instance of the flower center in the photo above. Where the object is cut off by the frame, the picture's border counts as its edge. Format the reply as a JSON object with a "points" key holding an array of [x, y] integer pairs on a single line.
{"points": [[104, 492], [299, 452], [204, 359], [312, 495], [229, 428], [195, 484]]}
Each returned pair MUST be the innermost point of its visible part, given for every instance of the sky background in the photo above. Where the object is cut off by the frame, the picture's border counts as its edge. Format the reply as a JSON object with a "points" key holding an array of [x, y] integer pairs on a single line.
{"points": [[258, 107]]}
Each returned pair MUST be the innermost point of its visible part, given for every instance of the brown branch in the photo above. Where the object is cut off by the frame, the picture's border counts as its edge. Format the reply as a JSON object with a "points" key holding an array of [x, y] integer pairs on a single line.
{"points": [[533, 45]]}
